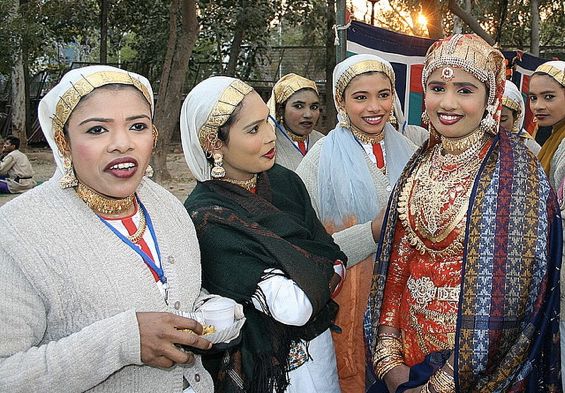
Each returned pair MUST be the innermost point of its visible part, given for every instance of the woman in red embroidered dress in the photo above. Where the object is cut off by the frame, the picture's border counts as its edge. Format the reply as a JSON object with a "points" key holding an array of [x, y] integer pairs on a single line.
{"points": [[464, 300]]}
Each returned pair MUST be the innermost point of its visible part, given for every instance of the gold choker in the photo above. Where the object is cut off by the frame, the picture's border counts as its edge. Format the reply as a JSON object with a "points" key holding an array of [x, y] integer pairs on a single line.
{"points": [[102, 204], [246, 184], [368, 139], [458, 145], [296, 137]]}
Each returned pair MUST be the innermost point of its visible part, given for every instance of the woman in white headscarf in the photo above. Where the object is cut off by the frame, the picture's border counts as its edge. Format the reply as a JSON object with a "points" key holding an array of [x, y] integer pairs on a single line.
{"points": [[349, 175], [512, 116], [98, 260], [262, 245], [295, 104]]}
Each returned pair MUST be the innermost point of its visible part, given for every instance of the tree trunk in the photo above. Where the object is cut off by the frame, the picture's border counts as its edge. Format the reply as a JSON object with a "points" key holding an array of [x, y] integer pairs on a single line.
{"points": [[183, 31], [104, 31], [535, 31], [331, 114], [432, 11], [471, 22], [20, 95], [235, 48]]}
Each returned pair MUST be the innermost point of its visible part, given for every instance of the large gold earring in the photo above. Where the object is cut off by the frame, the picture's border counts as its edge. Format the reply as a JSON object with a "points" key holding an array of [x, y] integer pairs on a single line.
{"points": [[392, 119], [488, 124], [69, 179], [155, 133], [425, 117], [218, 170], [343, 119], [149, 172]]}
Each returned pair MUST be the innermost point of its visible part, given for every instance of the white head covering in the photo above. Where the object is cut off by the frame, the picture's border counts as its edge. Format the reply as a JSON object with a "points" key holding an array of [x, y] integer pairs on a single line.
{"points": [[554, 68], [512, 99], [57, 105], [207, 107], [353, 66]]}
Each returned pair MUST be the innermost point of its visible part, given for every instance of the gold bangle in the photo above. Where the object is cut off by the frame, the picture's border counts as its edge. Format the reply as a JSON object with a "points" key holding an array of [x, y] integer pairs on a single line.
{"points": [[442, 382]]}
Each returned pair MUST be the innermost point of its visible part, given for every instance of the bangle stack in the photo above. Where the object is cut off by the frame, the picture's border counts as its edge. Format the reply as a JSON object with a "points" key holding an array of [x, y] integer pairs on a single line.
{"points": [[440, 382], [388, 354]]}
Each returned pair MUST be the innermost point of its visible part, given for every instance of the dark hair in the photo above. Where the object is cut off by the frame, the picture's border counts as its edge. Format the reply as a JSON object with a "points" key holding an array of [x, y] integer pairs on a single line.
{"points": [[13, 140], [224, 129]]}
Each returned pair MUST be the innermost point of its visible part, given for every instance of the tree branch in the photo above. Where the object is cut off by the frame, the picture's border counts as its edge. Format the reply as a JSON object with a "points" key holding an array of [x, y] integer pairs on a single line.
{"points": [[471, 22]]}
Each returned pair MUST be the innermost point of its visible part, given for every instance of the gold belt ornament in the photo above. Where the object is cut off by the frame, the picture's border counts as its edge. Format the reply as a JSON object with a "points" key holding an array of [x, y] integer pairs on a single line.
{"points": [[423, 291]]}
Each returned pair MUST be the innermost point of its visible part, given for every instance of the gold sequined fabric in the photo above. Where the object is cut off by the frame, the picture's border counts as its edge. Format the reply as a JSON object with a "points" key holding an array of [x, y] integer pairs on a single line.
{"points": [[70, 99], [226, 104], [551, 70]]}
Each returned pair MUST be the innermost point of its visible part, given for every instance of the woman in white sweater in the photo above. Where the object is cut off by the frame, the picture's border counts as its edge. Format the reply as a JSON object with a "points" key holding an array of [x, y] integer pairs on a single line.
{"points": [[98, 259]]}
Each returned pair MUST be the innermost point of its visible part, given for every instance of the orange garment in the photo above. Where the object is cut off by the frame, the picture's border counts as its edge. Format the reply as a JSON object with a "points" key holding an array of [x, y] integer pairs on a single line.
{"points": [[350, 343], [434, 328]]}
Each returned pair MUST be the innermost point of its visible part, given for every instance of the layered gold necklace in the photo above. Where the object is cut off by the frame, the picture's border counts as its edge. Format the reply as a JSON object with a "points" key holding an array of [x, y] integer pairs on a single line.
{"points": [[246, 184], [435, 198], [101, 204], [368, 139], [138, 235], [458, 145]]}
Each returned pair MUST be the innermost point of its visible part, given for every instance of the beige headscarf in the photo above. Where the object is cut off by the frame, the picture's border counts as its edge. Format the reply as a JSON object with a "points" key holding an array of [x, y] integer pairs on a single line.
{"points": [[285, 88], [206, 108], [556, 70], [57, 105], [512, 99]]}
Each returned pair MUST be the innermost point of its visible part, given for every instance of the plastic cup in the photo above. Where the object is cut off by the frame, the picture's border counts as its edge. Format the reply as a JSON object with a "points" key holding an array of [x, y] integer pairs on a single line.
{"points": [[219, 313]]}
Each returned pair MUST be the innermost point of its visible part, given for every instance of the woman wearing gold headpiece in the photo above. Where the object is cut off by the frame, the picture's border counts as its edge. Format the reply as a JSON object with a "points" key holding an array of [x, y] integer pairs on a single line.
{"points": [[295, 104], [97, 260], [547, 101], [512, 116], [349, 175], [465, 290], [261, 243]]}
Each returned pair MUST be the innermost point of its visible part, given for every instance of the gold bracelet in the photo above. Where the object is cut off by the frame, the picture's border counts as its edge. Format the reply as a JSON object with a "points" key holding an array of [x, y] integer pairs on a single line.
{"points": [[442, 382]]}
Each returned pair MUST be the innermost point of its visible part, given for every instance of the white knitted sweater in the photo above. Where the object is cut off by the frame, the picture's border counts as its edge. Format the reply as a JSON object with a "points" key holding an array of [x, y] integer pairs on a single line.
{"points": [[71, 289]]}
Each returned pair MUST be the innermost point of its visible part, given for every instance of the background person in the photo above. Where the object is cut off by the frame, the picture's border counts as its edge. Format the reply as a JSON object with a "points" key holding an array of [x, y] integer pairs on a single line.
{"points": [[16, 173], [98, 259], [295, 104], [512, 116]]}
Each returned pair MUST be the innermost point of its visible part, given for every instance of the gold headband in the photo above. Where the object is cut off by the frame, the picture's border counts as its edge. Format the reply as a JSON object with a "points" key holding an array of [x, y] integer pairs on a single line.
{"points": [[290, 84], [552, 71], [229, 99], [358, 69], [70, 99], [510, 103], [470, 53]]}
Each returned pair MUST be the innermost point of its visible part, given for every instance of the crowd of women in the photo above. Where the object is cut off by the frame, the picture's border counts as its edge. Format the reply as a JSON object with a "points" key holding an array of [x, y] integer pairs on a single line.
{"points": [[381, 257]]}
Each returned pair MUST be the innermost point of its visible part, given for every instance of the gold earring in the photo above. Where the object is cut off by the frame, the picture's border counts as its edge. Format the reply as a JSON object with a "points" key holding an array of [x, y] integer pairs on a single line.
{"points": [[218, 170], [155, 133], [425, 117], [392, 119], [343, 118], [69, 179], [149, 171]]}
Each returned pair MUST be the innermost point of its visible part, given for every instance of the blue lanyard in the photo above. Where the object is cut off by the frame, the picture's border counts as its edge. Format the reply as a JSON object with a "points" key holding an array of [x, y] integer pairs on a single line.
{"points": [[279, 127], [146, 258]]}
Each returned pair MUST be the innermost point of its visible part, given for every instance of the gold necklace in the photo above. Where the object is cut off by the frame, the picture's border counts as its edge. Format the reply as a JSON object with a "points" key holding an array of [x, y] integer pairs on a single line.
{"points": [[296, 137], [102, 204], [434, 201], [246, 184], [368, 139], [456, 145], [138, 235]]}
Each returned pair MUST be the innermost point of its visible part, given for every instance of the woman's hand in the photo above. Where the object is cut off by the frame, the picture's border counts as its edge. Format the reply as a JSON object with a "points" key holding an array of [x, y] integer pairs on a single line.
{"points": [[160, 331], [396, 377]]}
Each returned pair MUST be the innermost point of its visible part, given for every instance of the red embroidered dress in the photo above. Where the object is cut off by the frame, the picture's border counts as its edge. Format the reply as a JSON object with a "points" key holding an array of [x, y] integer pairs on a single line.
{"points": [[425, 270]]}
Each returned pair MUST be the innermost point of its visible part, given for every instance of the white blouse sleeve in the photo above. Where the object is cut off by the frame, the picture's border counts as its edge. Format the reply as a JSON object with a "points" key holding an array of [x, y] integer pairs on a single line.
{"points": [[284, 300]]}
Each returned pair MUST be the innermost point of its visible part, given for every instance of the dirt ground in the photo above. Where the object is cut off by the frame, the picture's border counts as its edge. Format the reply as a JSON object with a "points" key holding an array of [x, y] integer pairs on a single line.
{"points": [[180, 185]]}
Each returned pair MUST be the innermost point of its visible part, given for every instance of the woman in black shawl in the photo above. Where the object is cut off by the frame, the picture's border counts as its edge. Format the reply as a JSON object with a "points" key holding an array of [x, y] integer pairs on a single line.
{"points": [[261, 244]]}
